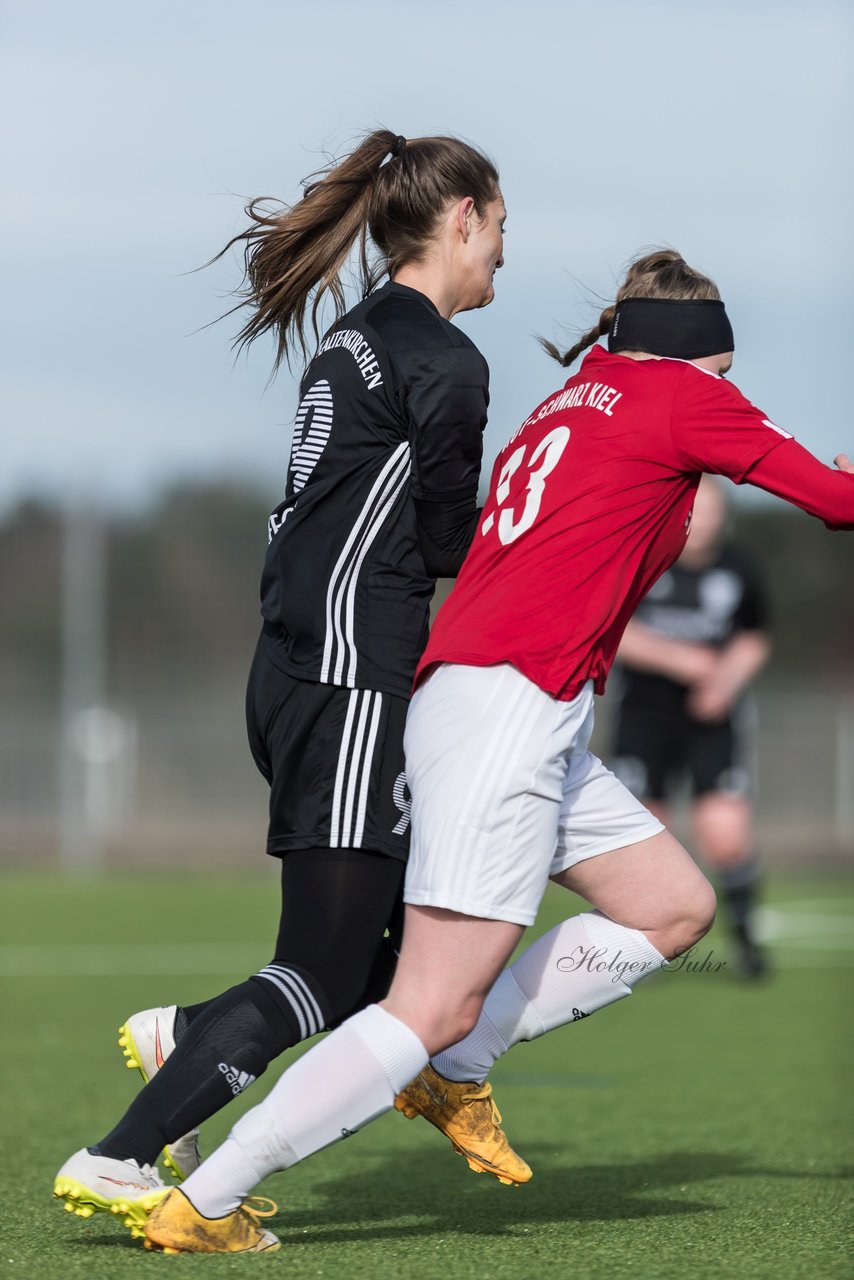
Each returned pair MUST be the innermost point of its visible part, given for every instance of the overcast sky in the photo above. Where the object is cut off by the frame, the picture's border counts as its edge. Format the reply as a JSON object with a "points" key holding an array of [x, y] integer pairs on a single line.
{"points": [[132, 134]]}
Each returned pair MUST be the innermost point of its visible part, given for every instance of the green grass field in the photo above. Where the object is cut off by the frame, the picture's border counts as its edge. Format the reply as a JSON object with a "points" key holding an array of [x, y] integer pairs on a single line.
{"points": [[700, 1129]]}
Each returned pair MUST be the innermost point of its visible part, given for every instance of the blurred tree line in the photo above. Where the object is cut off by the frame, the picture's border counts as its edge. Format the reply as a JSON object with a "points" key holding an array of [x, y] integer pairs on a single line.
{"points": [[182, 596]]}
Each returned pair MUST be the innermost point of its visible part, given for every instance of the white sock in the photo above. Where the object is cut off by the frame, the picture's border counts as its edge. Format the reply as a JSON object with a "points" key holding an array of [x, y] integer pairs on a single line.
{"points": [[341, 1084], [576, 968]]}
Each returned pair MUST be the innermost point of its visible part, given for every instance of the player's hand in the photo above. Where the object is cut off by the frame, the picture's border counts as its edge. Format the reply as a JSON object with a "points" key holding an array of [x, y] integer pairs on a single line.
{"points": [[697, 663], [710, 700], [843, 462]]}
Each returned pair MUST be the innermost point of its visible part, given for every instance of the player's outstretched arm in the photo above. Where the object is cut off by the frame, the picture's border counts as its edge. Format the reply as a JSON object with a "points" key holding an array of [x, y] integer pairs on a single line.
{"points": [[793, 473]]}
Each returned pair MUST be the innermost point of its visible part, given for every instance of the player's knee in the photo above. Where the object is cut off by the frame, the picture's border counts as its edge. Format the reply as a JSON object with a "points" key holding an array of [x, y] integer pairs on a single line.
{"points": [[691, 918], [722, 826], [699, 911]]}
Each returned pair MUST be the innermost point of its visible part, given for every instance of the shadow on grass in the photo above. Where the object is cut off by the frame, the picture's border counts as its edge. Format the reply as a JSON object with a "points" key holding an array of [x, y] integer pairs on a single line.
{"points": [[393, 1189], [446, 1199]]}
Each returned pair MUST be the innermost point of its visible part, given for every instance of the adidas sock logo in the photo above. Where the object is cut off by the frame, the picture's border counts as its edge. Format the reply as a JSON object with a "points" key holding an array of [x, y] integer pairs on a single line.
{"points": [[238, 1080]]}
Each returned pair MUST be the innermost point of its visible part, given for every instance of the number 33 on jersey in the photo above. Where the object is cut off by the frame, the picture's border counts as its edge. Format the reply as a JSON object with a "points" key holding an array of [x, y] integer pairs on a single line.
{"points": [[515, 504]]}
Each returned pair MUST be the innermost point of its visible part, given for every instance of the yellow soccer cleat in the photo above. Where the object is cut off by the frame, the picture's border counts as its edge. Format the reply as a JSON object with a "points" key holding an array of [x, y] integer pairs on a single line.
{"points": [[176, 1226], [466, 1113], [97, 1184]]}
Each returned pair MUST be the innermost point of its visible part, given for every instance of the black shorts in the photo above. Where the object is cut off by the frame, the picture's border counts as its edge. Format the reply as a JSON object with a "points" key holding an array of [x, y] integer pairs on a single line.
{"points": [[333, 758], [655, 750]]}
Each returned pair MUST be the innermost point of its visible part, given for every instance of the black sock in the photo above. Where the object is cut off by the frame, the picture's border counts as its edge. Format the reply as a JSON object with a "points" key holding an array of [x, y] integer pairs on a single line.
{"points": [[225, 1048], [740, 885], [336, 904], [187, 1014]]}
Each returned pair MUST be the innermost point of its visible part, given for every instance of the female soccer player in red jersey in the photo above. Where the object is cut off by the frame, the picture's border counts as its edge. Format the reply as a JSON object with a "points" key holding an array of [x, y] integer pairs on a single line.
{"points": [[590, 502]]}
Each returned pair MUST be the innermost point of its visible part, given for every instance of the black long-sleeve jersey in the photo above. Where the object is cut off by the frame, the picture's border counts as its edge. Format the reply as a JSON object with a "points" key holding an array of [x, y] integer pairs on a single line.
{"points": [[390, 425]]}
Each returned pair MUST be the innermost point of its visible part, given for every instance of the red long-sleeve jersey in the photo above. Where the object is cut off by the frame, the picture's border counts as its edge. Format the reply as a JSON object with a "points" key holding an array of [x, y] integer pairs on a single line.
{"points": [[591, 501]]}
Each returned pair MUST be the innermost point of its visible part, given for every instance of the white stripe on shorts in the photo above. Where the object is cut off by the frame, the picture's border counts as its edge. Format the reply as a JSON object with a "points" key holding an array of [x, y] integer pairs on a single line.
{"points": [[362, 800], [353, 775]]}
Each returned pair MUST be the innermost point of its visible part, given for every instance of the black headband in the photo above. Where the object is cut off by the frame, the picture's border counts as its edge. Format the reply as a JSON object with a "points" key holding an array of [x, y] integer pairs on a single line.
{"points": [[667, 327]]}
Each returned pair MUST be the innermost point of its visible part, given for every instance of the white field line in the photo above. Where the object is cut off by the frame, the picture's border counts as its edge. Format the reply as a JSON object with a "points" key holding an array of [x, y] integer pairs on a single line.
{"points": [[799, 939], [811, 931], [118, 959], [833, 905]]}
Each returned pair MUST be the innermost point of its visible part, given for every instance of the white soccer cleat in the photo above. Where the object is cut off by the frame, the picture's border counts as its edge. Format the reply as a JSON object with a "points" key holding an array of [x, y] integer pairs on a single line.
{"points": [[97, 1184], [146, 1040]]}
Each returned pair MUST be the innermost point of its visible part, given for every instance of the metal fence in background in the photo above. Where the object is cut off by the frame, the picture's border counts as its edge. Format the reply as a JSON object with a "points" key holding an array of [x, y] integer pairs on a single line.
{"points": [[802, 763], [148, 786]]}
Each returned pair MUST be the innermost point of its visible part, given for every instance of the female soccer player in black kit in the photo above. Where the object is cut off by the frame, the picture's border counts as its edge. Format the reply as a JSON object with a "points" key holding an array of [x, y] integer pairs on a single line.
{"points": [[380, 500]]}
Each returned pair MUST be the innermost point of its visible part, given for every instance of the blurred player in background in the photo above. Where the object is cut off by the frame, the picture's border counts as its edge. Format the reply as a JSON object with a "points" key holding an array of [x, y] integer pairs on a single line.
{"points": [[589, 504], [381, 499], [687, 657]]}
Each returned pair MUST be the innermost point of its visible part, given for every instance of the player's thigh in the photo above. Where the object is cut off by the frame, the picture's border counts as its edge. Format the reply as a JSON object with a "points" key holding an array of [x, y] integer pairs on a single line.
{"points": [[661, 811], [648, 885], [336, 906], [597, 815]]}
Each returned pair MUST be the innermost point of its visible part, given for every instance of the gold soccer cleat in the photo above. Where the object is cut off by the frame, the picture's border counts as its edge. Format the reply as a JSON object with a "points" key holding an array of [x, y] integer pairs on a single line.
{"points": [[176, 1226], [466, 1113]]}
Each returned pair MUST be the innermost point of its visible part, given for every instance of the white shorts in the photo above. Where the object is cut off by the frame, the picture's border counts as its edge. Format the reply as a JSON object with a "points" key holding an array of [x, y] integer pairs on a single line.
{"points": [[505, 792]]}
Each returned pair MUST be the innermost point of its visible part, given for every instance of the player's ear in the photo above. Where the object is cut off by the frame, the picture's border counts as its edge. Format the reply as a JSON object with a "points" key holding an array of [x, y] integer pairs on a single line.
{"points": [[464, 216]]}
